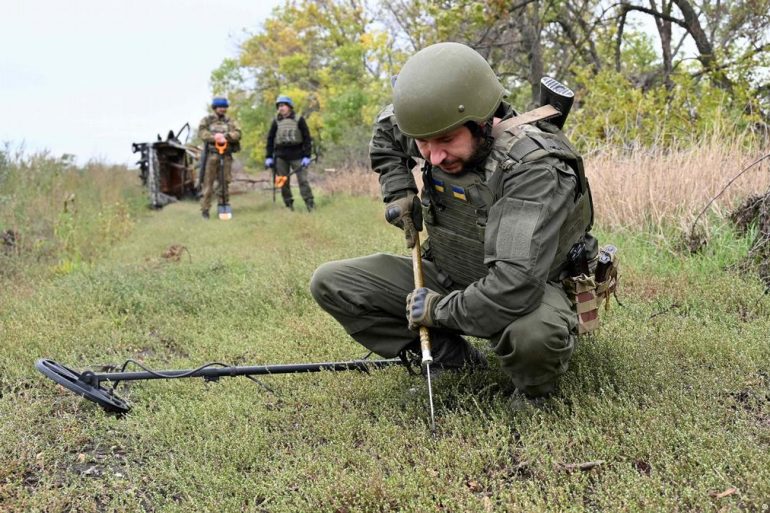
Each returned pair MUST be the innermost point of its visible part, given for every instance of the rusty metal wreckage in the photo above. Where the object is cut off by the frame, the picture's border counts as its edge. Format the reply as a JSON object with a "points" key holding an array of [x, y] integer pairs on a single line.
{"points": [[167, 167]]}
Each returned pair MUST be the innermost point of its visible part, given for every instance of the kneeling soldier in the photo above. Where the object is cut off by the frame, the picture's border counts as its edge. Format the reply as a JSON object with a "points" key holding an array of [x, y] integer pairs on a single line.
{"points": [[503, 206]]}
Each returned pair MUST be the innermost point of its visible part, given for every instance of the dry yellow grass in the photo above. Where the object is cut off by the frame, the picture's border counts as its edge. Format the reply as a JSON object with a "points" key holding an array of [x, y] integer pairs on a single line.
{"points": [[646, 189], [353, 181], [641, 188]]}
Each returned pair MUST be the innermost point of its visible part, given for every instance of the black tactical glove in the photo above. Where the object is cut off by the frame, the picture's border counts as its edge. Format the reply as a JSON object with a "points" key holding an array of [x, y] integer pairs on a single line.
{"points": [[419, 307], [406, 213]]}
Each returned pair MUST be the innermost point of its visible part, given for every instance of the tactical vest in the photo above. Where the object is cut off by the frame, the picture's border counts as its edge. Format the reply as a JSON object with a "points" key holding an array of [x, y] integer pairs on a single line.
{"points": [[288, 133], [455, 207]]}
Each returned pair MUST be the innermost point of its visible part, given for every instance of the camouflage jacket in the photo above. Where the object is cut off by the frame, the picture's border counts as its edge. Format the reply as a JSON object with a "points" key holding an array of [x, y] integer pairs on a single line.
{"points": [[213, 124], [520, 247]]}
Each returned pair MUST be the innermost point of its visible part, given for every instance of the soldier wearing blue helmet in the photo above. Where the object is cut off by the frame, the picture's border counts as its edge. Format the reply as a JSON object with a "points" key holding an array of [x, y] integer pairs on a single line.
{"points": [[219, 128], [288, 149]]}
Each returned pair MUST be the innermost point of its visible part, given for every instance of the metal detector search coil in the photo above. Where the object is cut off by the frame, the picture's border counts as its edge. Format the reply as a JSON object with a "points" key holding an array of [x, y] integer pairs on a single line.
{"points": [[86, 384]]}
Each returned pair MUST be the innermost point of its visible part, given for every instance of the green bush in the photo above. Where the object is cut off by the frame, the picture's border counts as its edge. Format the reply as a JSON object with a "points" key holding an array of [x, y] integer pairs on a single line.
{"points": [[613, 111]]}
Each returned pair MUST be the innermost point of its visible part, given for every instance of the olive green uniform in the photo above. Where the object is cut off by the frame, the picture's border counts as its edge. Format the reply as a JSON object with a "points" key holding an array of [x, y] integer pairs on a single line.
{"points": [[210, 125], [497, 248]]}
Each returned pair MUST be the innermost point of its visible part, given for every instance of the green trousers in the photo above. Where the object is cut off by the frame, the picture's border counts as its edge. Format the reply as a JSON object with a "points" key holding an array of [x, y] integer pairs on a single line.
{"points": [[283, 168], [211, 176], [367, 295]]}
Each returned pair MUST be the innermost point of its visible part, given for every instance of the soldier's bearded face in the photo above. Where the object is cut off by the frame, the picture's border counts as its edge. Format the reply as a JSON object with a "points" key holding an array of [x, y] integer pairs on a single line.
{"points": [[450, 151], [220, 110]]}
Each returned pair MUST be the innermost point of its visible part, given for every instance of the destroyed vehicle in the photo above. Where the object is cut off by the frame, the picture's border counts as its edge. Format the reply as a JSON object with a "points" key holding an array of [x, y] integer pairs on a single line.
{"points": [[168, 168]]}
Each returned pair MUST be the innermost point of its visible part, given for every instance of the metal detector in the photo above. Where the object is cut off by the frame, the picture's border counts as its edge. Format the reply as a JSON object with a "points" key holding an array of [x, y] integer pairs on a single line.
{"points": [[89, 384], [280, 180], [223, 209]]}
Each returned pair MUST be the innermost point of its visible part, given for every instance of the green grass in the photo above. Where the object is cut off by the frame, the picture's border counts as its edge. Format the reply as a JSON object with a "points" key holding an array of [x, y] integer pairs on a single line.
{"points": [[672, 395]]}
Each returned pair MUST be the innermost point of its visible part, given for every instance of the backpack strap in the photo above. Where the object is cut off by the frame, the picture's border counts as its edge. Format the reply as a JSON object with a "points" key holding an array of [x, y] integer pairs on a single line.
{"points": [[538, 114]]}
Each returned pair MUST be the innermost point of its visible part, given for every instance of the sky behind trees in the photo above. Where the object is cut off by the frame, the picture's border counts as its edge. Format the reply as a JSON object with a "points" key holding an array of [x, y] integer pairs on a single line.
{"points": [[89, 77]]}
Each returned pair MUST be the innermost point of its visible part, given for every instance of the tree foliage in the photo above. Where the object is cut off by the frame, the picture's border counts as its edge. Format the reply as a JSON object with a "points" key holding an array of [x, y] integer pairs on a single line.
{"points": [[645, 71], [326, 55]]}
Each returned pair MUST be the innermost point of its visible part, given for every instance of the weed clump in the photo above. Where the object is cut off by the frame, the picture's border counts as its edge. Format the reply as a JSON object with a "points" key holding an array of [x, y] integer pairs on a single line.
{"points": [[755, 212]]}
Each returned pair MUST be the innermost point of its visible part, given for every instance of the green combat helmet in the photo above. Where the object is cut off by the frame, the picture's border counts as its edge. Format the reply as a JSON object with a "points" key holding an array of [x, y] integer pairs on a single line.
{"points": [[442, 87]]}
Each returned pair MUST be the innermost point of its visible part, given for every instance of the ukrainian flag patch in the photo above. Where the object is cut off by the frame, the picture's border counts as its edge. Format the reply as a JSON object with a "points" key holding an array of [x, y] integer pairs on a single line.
{"points": [[438, 185], [459, 193]]}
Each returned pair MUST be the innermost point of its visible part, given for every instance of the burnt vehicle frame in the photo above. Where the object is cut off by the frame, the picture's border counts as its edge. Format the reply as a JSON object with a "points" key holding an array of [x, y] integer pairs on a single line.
{"points": [[167, 168]]}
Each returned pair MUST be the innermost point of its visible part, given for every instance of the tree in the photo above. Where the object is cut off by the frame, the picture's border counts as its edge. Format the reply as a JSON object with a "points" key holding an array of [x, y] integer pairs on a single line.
{"points": [[326, 56], [706, 61], [739, 29]]}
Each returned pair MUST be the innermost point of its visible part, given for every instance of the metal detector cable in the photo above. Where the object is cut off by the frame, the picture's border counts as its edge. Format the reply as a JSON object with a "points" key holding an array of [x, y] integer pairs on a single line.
{"points": [[186, 374]]}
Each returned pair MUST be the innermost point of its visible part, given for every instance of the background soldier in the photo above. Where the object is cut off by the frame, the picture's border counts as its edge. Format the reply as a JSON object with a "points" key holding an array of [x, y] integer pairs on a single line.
{"points": [[217, 127], [288, 148], [502, 211]]}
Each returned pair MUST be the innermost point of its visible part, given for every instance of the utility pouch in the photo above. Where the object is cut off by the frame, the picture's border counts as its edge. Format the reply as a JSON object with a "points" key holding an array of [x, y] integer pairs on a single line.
{"points": [[606, 274], [582, 292]]}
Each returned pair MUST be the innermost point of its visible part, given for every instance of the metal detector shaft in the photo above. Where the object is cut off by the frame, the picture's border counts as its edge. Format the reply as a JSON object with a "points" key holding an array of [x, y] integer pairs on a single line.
{"points": [[89, 384], [222, 372], [272, 169]]}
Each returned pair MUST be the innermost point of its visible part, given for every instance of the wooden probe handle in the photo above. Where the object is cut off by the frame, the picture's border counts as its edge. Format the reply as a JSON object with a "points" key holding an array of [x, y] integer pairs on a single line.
{"points": [[419, 282]]}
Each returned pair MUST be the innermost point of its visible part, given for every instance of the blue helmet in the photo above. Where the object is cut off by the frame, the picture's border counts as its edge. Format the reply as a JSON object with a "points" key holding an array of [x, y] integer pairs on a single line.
{"points": [[219, 101], [284, 99]]}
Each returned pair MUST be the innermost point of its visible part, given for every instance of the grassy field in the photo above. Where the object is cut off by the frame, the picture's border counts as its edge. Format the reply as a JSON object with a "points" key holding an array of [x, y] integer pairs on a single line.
{"points": [[666, 409], [55, 216]]}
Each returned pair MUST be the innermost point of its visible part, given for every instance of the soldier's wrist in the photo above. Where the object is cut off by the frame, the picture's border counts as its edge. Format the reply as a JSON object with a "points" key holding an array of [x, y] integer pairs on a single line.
{"points": [[431, 317]]}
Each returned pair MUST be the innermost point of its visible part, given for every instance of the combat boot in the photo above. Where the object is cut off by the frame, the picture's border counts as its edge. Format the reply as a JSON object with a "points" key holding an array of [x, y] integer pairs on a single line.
{"points": [[290, 205], [521, 402], [205, 214], [310, 205], [451, 351]]}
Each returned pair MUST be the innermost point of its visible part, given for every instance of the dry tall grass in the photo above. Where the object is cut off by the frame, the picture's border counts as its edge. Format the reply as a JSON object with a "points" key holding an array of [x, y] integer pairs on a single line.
{"points": [[642, 188], [654, 188], [356, 181]]}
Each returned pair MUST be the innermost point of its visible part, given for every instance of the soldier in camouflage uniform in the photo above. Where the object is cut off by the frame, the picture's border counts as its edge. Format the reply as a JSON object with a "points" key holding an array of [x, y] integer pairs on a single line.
{"points": [[217, 126], [502, 210], [288, 149]]}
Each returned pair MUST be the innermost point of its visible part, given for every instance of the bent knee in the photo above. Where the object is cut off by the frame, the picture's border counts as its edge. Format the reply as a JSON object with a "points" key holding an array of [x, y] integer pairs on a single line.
{"points": [[322, 280], [537, 338], [536, 348]]}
